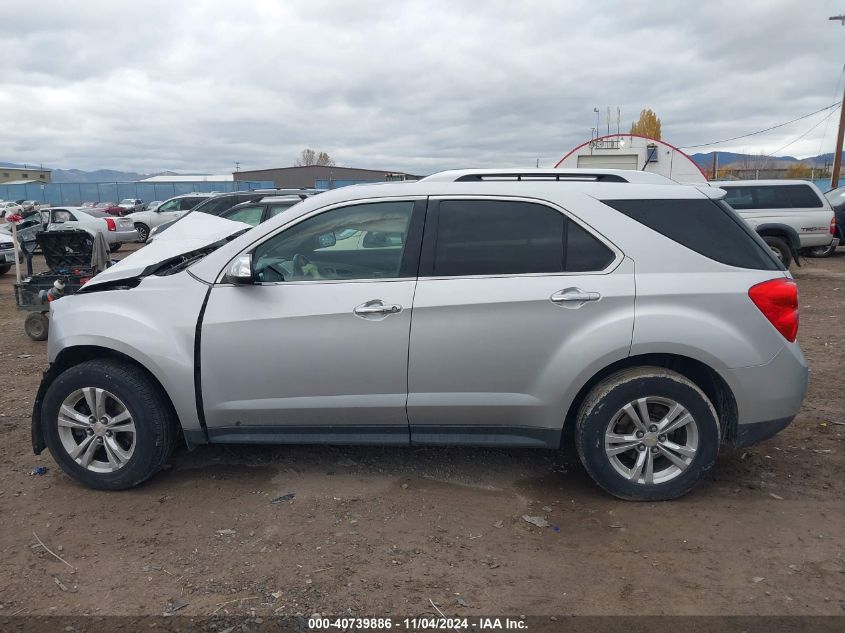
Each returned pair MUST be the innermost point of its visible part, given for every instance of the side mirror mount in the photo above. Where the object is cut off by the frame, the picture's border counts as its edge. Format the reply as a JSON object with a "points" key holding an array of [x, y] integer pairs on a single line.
{"points": [[239, 271]]}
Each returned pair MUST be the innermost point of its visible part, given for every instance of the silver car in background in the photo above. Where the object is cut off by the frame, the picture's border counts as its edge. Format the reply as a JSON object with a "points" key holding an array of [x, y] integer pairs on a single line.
{"points": [[640, 320]]}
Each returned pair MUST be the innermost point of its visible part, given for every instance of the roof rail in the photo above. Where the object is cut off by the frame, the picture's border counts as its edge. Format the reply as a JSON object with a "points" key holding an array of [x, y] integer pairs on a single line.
{"points": [[552, 175]]}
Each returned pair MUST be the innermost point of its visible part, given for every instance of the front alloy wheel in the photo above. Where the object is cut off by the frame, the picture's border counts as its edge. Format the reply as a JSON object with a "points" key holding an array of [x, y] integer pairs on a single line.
{"points": [[97, 430], [108, 423]]}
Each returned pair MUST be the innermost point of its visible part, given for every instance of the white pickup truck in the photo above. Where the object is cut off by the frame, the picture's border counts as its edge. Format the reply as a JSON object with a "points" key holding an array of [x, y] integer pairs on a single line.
{"points": [[790, 215]]}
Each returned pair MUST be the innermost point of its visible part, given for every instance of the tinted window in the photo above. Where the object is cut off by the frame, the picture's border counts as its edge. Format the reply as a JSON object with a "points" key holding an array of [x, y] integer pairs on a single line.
{"points": [[216, 206], [332, 245], [802, 197], [493, 237], [704, 226], [583, 251], [772, 197], [186, 204]]}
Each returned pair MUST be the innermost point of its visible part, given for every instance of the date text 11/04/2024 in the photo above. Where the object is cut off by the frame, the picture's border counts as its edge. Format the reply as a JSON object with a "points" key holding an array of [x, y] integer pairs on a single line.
{"points": [[417, 623]]}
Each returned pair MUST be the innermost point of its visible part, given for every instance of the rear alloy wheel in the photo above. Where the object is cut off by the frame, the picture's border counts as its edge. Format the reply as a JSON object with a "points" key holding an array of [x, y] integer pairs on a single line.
{"points": [[107, 424], [143, 232], [647, 434], [780, 248]]}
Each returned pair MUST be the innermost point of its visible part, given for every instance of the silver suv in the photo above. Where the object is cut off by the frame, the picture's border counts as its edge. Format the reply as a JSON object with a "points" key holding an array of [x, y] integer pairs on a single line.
{"points": [[639, 319]]}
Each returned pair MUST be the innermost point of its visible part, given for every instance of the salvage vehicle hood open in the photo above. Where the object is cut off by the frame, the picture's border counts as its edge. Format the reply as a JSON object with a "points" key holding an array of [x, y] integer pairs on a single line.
{"points": [[187, 241]]}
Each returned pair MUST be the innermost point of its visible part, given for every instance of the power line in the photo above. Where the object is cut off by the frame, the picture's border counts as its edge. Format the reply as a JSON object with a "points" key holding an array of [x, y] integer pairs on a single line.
{"points": [[768, 129], [835, 92], [780, 149]]}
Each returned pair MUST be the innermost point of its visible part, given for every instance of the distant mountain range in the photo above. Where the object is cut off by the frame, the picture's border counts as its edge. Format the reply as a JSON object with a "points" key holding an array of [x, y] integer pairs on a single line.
{"points": [[78, 175], [727, 158]]}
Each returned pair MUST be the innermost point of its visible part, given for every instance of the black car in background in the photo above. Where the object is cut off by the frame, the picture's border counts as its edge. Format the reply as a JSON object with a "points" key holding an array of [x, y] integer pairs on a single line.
{"points": [[836, 197]]}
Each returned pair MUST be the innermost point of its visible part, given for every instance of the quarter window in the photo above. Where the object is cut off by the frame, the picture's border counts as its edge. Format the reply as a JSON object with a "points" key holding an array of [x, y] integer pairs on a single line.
{"points": [[497, 237], [337, 245]]}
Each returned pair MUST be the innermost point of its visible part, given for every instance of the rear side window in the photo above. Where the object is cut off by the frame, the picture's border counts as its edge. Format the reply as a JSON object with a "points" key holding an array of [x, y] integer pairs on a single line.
{"points": [[704, 226], [495, 237], [216, 206], [803, 197], [186, 204], [772, 197]]}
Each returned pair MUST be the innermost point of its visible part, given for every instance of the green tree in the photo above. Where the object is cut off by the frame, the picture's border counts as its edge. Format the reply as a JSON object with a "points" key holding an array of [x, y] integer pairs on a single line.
{"points": [[647, 125]]}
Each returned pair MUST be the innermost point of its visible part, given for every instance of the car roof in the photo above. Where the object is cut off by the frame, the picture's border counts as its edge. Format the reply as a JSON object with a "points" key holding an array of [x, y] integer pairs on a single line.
{"points": [[755, 183]]}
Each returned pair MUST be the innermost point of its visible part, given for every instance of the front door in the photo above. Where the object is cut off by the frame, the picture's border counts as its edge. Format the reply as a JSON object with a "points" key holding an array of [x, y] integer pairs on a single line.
{"points": [[514, 302], [317, 348]]}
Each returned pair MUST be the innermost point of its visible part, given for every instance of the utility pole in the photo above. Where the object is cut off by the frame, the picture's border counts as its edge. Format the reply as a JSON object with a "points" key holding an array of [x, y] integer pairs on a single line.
{"points": [[837, 156]]}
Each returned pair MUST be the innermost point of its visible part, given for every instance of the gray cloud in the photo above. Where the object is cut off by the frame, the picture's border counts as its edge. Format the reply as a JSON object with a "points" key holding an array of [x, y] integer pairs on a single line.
{"points": [[418, 86]]}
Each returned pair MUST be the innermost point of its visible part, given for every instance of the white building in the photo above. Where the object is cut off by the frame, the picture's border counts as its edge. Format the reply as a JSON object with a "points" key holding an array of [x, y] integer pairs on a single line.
{"points": [[631, 151], [190, 178]]}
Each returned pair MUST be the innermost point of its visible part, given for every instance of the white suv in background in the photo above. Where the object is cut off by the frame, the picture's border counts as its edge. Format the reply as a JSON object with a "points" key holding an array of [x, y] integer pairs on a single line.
{"points": [[790, 215], [167, 211]]}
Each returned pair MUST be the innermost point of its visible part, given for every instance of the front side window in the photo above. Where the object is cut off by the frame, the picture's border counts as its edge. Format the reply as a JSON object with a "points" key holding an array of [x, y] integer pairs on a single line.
{"points": [[250, 215], [170, 205], [276, 209], [495, 237], [336, 245]]}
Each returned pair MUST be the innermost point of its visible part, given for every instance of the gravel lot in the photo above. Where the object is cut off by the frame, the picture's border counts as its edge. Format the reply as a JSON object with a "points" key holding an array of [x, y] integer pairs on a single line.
{"points": [[384, 530]]}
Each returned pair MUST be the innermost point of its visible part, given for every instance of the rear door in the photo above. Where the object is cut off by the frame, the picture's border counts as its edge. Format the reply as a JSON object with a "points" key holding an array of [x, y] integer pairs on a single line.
{"points": [[515, 300]]}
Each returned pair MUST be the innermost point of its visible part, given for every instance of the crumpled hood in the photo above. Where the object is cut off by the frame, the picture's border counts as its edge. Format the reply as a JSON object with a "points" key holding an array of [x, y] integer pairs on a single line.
{"points": [[193, 232]]}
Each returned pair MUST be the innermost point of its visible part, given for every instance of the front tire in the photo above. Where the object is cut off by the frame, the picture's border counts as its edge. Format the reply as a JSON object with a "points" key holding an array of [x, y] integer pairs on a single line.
{"points": [[647, 434], [780, 248], [107, 424]]}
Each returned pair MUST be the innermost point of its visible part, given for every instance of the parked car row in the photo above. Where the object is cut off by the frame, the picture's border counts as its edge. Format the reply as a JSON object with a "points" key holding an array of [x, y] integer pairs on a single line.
{"points": [[792, 216], [117, 231]]}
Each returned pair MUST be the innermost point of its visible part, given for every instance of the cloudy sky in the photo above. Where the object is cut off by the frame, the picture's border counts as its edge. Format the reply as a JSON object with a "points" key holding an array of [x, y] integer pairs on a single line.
{"points": [[418, 86]]}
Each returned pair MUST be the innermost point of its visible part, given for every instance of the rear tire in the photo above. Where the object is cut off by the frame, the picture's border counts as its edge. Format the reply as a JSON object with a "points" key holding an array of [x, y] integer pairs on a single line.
{"points": [[780, 248], [129, 397], [36, 326], [115, 247], [143, 232], [657, 459]]}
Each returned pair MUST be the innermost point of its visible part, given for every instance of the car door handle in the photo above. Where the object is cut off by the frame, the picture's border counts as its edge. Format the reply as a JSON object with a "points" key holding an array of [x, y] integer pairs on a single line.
{"points": [[574, 295], [373, 307]]}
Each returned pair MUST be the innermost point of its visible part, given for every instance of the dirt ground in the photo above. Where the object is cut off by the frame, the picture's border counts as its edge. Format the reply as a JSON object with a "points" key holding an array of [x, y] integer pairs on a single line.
{"points": [[374, 531]]}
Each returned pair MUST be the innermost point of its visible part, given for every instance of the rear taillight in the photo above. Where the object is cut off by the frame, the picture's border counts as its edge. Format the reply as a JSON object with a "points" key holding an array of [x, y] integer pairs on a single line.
{"points": [[833, 225], [110, 223], [777, 299]]}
